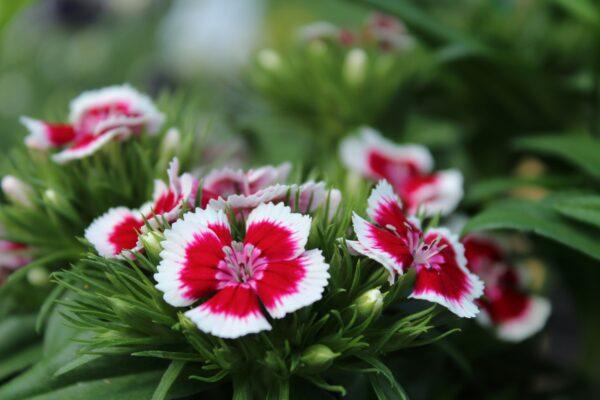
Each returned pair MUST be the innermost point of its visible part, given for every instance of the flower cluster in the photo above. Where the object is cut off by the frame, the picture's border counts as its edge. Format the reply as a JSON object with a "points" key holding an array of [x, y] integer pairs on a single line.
{"points": [[507, 305], [116, 232], [408, 168], [384, 31], [96, 118], [398, 243]]}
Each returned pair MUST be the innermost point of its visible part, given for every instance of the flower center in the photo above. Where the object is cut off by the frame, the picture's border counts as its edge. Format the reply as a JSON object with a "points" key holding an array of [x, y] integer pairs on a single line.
{"points": [[428, 255], [242, 264]]}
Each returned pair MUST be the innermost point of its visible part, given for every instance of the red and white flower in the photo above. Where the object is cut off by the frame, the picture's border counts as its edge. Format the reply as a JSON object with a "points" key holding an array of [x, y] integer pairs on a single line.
{"points": [[243, 191], [168, 201], [227, 182], [506, 306], [115, 233], [397, 242], [388, 32], [96, 118], [12, 256], [310, 196], [318, 30], [408, 168], [313, 195], [269, 267]]}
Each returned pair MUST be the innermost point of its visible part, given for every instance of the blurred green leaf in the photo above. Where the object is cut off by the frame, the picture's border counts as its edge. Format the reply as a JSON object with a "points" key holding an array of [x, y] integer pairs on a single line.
{"points": [[128, 387], [20, 359], [8, 9], [584, 11], [579, 150], [583, 208], [538, 218], [489, 189], [16, 331]]}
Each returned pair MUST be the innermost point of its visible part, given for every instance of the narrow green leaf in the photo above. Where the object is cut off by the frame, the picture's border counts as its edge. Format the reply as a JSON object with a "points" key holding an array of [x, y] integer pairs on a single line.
{"points": [[538, 218], [579, 150], [48, 306], [76, 363], [490, 189], [389, 385], [129, 387], [584, 11], [20, 360], [167, 380], [16, 331], [583, 208]]}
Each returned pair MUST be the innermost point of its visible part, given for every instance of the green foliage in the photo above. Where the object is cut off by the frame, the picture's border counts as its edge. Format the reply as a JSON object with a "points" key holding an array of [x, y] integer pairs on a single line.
{"points": [[333, 88], [569, 214]]}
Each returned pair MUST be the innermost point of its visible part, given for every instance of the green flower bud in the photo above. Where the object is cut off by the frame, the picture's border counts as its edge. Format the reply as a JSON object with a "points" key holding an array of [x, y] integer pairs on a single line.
{"points": [[129, 314], [355, 67], [369, 303], [317, 357], [151, 241], [269, 59], [38, 276]]}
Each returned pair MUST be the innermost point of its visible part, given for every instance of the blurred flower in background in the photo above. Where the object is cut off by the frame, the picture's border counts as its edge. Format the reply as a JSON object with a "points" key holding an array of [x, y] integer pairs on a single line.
{"points": [[214, 37]]}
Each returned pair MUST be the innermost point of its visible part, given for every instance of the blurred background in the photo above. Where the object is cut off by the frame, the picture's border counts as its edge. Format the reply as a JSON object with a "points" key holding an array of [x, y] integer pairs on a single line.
{"points": [[468, 78]]}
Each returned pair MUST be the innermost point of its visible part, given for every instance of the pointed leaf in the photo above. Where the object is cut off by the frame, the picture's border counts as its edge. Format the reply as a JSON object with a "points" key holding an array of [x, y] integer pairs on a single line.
{"points": [[579, 150], [538, 218]]}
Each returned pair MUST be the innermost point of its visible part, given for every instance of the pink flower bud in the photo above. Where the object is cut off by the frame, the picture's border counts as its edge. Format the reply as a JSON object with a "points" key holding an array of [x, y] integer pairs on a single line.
{"points": [[17, 191]]}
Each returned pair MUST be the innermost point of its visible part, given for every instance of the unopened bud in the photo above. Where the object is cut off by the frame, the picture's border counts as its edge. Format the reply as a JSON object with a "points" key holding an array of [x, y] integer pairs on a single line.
{"points": [[151, 241], [269, 59], [369, 303], [124, 310], [38, 276], [53, 198], [171, 142], [318, 357], [355, 66], [17, 191]]}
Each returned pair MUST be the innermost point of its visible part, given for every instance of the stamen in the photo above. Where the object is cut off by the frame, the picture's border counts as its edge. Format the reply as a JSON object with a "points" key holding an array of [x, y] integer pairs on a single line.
{"points": [[241, 262]]}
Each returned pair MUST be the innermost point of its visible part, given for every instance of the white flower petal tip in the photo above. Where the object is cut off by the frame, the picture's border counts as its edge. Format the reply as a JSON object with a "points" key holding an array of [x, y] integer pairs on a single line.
{"points": [[528, 324], [443, 194], [43, 136], [227, 326], [318, 30], [115, 232], [382, 195], [373, 242], [308, 288], [293, 228], [87, 148]]}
